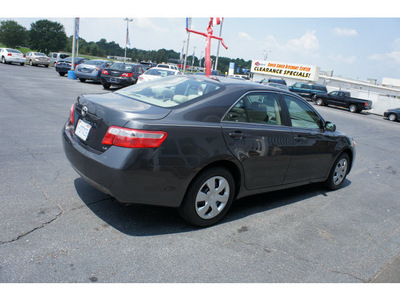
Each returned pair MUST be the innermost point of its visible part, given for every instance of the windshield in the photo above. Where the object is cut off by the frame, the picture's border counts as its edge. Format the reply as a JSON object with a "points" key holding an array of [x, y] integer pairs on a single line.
{"points": [[170, 91]]}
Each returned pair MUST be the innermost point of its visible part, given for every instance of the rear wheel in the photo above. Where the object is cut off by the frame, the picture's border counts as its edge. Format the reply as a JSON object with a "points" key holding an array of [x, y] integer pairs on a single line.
{"points": [[319, 101], [3, 60], [61, 73], [106, 86], [338, 173], [82, 79], [353, 108], [209, 197], [392, 117], [31, 63]]}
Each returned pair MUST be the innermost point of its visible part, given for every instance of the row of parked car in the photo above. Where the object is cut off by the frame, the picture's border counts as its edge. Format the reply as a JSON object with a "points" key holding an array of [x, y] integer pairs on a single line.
{"points": [[110, 73]]}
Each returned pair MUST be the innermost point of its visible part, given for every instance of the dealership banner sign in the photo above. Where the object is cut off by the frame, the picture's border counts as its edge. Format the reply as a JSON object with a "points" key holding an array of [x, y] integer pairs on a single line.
{"points": [[296, 71]]}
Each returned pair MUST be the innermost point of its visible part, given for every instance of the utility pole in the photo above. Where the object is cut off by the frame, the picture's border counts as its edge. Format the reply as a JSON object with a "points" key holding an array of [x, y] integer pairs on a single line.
{"points": [[127, 35], [216, 60]]}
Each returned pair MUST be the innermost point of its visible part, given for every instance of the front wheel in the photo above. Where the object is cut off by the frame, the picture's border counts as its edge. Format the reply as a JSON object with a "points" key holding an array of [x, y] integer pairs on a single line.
{"points": [[208, 198], [106, 86], [3, 60], [338, 173], [62, 73], [82, 79]]}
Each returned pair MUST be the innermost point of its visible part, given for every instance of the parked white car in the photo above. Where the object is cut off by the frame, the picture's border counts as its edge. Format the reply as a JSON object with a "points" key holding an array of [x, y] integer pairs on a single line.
{"points": [[155, 73], [8, 56], [167, 66]]}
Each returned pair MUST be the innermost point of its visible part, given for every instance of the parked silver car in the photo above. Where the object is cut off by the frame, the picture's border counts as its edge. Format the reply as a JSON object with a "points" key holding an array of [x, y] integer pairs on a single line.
{"points": [[91, 69], [55, 57], [37, 58], [8, 56]]}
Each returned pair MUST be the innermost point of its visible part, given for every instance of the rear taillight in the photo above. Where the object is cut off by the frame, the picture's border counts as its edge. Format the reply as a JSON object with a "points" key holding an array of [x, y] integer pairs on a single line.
{"points": [[105, 72], [127, 75], [71, 114], [133, 138], [9, 54]]}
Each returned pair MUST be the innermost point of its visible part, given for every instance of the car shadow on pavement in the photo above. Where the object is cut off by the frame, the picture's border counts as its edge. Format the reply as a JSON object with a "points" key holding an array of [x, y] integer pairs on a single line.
{"points": [[145, 220]]}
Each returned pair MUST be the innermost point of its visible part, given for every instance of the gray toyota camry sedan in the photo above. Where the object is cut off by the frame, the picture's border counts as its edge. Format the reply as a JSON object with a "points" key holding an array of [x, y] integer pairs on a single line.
{"points": [[197, 143]]}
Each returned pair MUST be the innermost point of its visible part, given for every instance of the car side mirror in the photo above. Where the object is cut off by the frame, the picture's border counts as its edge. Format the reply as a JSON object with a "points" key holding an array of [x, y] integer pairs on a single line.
{"points": [[329, 126]]}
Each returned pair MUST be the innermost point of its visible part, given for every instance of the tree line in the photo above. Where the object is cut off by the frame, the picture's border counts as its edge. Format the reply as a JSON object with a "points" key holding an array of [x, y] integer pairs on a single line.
{"points": [[47, 36]]}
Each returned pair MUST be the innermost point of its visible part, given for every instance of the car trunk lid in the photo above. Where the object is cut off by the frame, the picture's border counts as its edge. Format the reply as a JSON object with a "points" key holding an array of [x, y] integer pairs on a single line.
{"points": [[94, 114]]}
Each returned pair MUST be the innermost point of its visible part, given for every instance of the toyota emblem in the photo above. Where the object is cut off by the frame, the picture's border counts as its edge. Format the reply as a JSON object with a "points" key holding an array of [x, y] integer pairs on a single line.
{"points": [[84, 111]]}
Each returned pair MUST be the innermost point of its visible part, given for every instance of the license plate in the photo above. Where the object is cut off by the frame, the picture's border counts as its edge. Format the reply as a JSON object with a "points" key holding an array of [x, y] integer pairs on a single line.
{"points": [[112, 79], [83, 129]]}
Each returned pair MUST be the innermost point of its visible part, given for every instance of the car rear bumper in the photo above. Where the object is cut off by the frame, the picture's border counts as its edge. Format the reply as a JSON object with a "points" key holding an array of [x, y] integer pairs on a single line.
{"points": [[90, 76], [18, 60], [129, 175], [124, 81]]}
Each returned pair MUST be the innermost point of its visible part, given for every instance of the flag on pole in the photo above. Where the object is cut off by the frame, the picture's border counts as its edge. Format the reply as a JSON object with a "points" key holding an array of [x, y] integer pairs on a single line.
{"points": [[128, 43], [216, 21], [77, 28]]}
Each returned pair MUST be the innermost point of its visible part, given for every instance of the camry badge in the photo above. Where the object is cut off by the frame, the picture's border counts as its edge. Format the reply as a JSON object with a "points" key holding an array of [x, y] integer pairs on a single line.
{"points": [[84, 111]]}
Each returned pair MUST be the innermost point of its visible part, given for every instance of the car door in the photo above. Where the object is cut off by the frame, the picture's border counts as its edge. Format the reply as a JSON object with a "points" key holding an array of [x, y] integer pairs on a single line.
{"points": [[255, 133], [312, 146]]}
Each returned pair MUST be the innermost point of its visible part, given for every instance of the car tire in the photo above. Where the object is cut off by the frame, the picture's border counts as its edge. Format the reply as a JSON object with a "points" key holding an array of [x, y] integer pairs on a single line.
{"points": [[353, 108], [22, 64], [392, 117], [106, 86], [31, 63], [208, 197], [46, 66], [61, 73], [82, 79], [338, 173], [319, 101], [3, 60]]}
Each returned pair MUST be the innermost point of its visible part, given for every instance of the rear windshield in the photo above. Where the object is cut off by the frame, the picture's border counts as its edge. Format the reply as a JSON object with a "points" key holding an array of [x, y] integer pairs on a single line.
{"points": [[158, 72], [170, 91], [39, 54], [94, 62], [122, 67], [13, 51]]}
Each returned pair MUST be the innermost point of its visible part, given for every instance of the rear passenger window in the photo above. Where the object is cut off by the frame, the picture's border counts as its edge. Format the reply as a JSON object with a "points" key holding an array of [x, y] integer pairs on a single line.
{"points": [[260, 108]]}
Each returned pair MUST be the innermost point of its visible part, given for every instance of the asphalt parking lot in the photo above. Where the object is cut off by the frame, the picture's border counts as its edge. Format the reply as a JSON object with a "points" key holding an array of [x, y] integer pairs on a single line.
{"points": [[57, 228]]}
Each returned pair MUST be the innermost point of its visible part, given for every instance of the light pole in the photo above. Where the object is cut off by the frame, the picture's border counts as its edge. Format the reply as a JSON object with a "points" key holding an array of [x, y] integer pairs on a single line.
{"points": [[266, 54], [127, 35]]}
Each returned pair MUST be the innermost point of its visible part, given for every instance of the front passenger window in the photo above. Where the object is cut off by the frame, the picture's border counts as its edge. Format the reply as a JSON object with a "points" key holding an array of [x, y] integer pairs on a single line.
{"points": [[301, 115]]}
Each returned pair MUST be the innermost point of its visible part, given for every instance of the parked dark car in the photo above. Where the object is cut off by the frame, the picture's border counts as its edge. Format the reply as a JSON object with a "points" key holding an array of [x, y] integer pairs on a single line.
{"points": [[392, 114], [307, 90], [91, 69], [197, 143], [122, 74], [64, 65], [273, 80], [342, 99]]}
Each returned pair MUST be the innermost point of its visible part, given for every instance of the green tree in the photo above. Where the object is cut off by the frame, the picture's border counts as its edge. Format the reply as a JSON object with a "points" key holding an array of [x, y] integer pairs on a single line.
{"points": [[12, 34], [47, 36]]}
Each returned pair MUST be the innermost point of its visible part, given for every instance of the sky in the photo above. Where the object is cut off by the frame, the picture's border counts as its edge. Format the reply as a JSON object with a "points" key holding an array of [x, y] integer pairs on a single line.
{"points": [[358, 42]]}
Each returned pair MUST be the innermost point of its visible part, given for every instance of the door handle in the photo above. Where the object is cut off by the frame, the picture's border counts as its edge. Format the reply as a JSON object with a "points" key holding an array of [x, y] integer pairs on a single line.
{"points": [[237, 135], [299, 138]]}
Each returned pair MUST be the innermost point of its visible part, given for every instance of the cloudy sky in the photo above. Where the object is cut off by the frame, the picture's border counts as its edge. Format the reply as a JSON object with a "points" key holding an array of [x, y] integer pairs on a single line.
{"points": [[355, 43]]}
